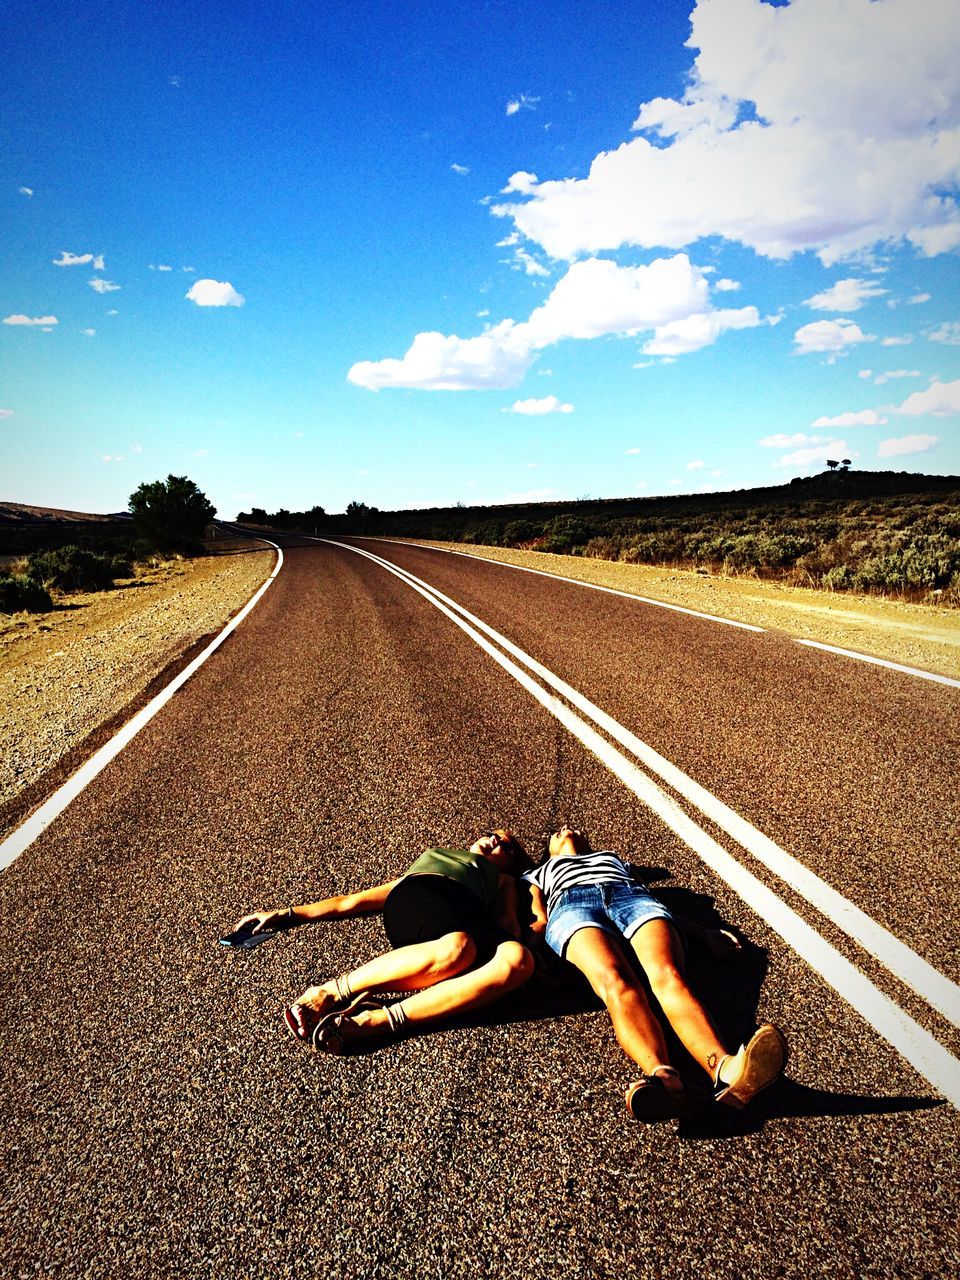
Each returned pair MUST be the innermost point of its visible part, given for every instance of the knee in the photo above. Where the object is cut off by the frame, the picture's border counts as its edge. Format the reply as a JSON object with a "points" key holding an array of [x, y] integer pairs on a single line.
{"points": [[454, 953], [515, 964], [665, 980], [614, 987]]}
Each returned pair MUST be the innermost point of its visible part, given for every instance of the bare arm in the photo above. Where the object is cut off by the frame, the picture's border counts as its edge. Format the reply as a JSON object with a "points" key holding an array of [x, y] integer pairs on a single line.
{"points": [[538, 926], [339, 907]]}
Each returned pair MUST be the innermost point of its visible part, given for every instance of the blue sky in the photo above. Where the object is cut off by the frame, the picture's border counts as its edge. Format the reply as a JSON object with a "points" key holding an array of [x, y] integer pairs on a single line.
{"points": [[315, 252]]}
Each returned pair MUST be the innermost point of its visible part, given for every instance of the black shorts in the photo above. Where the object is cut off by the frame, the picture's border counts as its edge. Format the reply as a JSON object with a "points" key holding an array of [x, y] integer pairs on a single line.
{"points": [[422, 908]]}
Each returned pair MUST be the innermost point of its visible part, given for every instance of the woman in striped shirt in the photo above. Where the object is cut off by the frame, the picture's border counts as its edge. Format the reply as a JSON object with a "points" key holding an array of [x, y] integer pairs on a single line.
{"points": [[589, 906]]}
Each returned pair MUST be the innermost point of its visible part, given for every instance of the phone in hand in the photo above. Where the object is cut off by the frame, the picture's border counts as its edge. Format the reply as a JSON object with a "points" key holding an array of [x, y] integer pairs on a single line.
{"points": [[245, 938]]}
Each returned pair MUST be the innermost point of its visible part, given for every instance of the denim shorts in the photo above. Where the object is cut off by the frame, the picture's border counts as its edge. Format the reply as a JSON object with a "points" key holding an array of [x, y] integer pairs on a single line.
{"points": [[617, 909]]}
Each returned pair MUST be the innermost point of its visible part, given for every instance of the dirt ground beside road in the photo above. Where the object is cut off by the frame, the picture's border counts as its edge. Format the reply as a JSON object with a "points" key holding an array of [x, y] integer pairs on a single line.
{"points": [[65, 674]]}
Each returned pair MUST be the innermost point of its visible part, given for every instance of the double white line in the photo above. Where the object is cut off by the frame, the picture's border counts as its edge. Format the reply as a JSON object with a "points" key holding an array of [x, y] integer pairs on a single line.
{"points": [[921, 1050]]}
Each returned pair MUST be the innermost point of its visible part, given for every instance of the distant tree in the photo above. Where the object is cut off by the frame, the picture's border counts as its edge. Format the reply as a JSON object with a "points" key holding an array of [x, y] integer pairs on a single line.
{"points": [[832, 463], [845, 464], [171, 514]]}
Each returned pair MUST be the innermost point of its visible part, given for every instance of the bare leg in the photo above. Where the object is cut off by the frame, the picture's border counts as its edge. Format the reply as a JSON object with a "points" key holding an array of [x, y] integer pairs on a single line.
{"points": [[510, 966], [406, 969], [602, 961], [660, 953]]}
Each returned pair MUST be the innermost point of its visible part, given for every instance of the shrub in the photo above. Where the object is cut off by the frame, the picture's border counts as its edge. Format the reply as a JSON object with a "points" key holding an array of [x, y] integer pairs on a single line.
{"points": [[23, 593], [518, 531], [75, 568], [563, 533]]}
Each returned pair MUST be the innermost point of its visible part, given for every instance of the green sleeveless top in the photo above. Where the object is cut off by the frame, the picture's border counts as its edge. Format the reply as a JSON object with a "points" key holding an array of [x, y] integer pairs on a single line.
{"points": [[477, 874]]}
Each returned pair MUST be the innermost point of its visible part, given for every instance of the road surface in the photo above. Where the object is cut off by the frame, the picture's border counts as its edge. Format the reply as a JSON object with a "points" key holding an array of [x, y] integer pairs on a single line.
{"points": [[156, 1120]]}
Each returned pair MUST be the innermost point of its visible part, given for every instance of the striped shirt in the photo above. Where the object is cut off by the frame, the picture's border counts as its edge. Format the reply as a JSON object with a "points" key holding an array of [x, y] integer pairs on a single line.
{"points": [[573, 870]]}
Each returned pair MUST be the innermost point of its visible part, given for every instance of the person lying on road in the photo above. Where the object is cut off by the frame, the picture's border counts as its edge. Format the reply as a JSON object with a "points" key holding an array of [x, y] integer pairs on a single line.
{"points": [[452, 921], [588, 907]]}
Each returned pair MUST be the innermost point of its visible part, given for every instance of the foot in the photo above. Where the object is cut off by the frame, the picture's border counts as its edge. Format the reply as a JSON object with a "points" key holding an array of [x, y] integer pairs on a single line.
{"points": [[304, 1014], [756, 1065], [338, 1033], [658, 1096]]}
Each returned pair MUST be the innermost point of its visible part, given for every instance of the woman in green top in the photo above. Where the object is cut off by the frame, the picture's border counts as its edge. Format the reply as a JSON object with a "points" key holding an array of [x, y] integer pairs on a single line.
{"points": [[452, 921]]}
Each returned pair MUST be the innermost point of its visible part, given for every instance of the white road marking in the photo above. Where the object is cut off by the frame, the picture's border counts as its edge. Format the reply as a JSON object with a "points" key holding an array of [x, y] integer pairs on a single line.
{"points": [[882, 662], [920, 976], [23, 836], [921, 1049], [577, 582], [662, 604]]}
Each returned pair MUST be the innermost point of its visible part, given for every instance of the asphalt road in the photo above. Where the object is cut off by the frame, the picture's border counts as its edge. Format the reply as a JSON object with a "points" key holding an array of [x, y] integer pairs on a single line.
{"points": [[156, 1120]]}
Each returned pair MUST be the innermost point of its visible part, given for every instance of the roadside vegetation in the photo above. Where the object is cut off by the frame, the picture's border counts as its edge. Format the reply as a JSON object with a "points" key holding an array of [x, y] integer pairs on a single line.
{"points": [[168, 520], [876, 533]]}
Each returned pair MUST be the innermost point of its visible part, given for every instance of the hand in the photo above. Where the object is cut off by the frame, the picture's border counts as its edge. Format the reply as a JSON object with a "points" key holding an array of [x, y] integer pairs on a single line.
{"points": [[266, 920], [723, 943]]}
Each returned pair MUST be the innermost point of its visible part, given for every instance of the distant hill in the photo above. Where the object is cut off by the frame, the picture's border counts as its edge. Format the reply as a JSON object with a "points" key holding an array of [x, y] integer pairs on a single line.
{"points": [[21, 513]]}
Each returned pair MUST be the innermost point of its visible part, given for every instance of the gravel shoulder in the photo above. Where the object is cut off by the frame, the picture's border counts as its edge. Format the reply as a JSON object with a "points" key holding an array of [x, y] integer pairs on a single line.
{"points": [[916, 635], [65, 675]]}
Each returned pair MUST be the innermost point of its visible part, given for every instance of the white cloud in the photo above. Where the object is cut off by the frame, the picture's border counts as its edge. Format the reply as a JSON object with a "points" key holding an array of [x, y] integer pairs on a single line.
{"points": [[633, 451], [159, 266], [6, 413], [536, 408], [27, 320], [830, 336], [460, 168], [103, 286], [881, 378], [698, 465], [190, 270], [110, 457], [136, 448], [864, 418], [727, 286], [824, 125], [906, 444], [680, 337], [940, 400], [845, 295], [523, 100], [903, 341], [89, 332], [781, 441], [918, 298], [865, 373], [214, 293], [595, 298], [200, 453], [26, 191], [949, 332], [72, 259]]}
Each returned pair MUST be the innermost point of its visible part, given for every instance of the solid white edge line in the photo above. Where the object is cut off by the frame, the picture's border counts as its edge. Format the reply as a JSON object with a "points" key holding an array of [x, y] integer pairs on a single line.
{"points": [[902, 961], [882, 662], [934, 1062], [576, 582], [24, 835]]}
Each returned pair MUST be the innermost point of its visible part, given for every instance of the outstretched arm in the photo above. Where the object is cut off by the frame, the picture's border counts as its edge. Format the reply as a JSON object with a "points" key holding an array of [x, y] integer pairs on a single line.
{"points": [[339, 907]]}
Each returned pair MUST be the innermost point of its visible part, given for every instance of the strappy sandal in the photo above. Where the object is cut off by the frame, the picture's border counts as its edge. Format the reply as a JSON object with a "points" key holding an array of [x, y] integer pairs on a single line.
{"points": [[302, 1019], [650, 1101], [756, 1064], [328, 1034]]}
